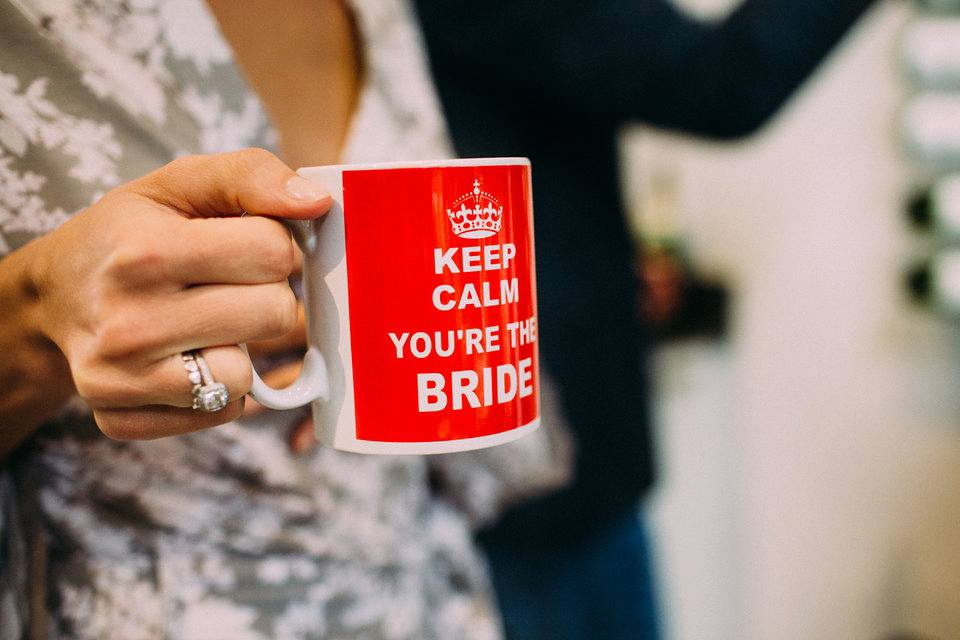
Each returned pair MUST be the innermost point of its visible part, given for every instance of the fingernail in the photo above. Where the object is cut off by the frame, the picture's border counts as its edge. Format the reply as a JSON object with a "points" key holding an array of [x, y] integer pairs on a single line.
{"points": [[300, 188]]}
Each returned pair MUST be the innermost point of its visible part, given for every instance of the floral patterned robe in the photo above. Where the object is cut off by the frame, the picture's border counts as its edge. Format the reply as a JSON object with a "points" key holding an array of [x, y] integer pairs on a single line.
{"points": [[222, 534]]}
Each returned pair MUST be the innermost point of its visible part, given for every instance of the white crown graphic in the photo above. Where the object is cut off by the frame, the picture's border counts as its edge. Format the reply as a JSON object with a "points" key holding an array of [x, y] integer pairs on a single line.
{"points": [[476, 214]]}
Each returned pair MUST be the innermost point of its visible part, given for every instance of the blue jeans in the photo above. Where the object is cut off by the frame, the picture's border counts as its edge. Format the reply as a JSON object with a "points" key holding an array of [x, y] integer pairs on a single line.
{"points": [[600, 589]]}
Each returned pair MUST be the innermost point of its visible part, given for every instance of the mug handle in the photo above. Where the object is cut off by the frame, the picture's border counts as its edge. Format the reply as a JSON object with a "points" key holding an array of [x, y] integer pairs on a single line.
{"points": [[313, 383]]}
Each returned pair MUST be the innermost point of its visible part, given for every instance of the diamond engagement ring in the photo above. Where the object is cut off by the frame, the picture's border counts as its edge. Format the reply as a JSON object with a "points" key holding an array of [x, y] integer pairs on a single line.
{"points": [[207, 395]]}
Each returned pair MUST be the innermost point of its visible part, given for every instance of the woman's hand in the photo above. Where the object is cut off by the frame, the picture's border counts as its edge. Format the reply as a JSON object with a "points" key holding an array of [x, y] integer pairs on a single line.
{"points": [[163, 265]]}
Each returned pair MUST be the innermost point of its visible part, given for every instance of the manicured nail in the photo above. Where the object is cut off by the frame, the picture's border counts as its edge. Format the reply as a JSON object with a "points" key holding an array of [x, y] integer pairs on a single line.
{"points": [[300, 188]]}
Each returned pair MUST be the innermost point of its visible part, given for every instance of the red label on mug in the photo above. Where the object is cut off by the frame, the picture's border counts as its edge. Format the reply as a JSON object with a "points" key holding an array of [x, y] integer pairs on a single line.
{"points": [[443, 312]]}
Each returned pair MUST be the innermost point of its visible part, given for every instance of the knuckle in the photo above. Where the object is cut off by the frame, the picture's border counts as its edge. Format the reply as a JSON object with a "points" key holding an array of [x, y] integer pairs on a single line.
{"points": [[234, 367], [253, 160], [89, 388], [278, 254], [140, 252], [256, 155], [244, 380], [186, 162], [121, 335], [282, 318], [97, 388], [134, 262], [182, 165]]}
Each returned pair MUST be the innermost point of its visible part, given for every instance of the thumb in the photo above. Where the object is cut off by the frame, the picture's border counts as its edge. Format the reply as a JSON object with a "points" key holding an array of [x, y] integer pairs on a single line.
{"points": [[229, 184]]}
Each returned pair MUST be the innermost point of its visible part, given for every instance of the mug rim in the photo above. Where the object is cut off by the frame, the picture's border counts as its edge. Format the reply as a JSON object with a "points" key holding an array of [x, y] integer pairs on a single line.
{"points": [[437, 163]]}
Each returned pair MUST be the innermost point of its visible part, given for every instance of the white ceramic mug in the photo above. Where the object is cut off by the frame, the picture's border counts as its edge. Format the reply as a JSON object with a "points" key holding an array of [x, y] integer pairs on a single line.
{"points": [[421, 309]]}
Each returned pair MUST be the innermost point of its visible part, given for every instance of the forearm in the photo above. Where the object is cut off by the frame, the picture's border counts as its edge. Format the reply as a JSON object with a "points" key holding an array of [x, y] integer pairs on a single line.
{"points": [[35, 379], [738, 73]]}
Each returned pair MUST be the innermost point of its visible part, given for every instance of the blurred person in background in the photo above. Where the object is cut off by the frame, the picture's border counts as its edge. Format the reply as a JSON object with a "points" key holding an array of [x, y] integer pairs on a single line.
{"points": [[556, 81]]}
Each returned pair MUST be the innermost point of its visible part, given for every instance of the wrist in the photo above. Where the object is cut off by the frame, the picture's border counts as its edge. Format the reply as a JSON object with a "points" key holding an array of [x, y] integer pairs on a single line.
{"points": [[35, 378]]}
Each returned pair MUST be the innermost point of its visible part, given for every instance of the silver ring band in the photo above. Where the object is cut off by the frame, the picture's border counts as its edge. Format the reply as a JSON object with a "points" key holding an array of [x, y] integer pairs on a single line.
{"points": [[208, 395]]}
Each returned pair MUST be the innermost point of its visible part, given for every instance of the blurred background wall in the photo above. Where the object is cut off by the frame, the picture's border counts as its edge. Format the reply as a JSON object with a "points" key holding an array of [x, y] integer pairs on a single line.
{"points": [[811, 455]]}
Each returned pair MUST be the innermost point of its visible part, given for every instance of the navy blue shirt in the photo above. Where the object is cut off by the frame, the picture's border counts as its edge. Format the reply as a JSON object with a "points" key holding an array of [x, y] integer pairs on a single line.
{"points": [[555, 81]]}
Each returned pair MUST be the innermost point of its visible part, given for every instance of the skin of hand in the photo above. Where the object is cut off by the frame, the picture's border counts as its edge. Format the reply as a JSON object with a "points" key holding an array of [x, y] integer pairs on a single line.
{"points": [[301, 438], [158, 266], [317, 45]]}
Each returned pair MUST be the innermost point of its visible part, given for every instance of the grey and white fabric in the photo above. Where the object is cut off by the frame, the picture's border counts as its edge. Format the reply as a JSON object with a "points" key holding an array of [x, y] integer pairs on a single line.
{"points": [[221, 534]]}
